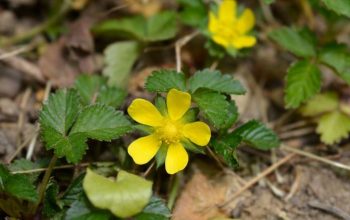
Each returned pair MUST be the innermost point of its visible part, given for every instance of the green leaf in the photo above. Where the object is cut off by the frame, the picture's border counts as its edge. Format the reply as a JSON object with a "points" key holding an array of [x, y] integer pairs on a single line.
{"points": [[119, 59], [88, 87], [303, 82], [74, 191], [337, 57], [231, 117], [23, 165], [17, 185], [164, 80], [321, 103], [226, 147], [111, 96], [214, 80], [194, 12], [101, 122], [72, 146], [256, 134], [213, 105], [82, 210], [269, 1], [155, 210], [341, 7], [125, 197], [333, 127], [60, 111], [51, 207], [294, 41], [161, 26]]}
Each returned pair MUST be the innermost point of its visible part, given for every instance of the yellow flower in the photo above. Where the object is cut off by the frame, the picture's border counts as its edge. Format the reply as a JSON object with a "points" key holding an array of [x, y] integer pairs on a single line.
{"points": [[229, 30], [170, 129]]}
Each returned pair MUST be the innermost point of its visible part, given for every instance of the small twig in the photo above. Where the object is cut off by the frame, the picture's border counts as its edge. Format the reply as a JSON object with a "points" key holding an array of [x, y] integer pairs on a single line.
{"points": [[308, 13], [146, 173], [31, 147], [212, 154], [5, 55], [295, 185], [315, 157], [179, 44], [330, 209], [256, 179]]}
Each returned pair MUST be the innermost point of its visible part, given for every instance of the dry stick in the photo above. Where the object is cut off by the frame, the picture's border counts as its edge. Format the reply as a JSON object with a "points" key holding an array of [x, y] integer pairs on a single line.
{"points": [[180, 43], [5, 55], [315, 157], [330, 209], [256, 179]]}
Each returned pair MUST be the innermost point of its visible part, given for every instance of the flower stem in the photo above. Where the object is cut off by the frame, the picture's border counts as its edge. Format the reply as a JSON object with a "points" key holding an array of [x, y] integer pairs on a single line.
{"points": [[174, 191], [46, 178]]}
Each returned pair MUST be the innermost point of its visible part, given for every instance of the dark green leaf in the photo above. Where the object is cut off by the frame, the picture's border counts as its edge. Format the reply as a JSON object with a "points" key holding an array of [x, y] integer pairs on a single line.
{"points": [[155, 210], [294, 41], [101, 122], [74, 191], [214, 80], [51, 207], [341, 7], [226, 147], [256, 134], [164, 80], [213, 105], [119, 59], [303, 82], [88, 87], [19, 186], [231, 117], [111, 96], [194, 12]]}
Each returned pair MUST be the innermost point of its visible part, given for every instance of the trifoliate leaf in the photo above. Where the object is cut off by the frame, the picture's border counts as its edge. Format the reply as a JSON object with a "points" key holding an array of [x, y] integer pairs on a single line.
{"points": [[303, 82], [60, 112], [294, 41], [88, 87], [72, 146], [333, 127], [213, 105], [161, 26], [82, 209], [111, 96], [125, 197], [17, 185], [101, 122], [155, 210], [119, 59], [320, 103], [341, 7], [214, 80], [226, 147], [257, 135], [164, 80], [337, 57]]}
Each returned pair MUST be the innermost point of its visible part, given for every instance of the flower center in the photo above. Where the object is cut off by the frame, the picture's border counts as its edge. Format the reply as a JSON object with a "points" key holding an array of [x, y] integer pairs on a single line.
{"points": [[227, 30], [170, 132]]}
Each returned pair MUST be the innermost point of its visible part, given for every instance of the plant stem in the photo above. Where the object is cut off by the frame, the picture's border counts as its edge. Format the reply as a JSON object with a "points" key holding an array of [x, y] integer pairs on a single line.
{"points": [[42, 187], [174, 191]]}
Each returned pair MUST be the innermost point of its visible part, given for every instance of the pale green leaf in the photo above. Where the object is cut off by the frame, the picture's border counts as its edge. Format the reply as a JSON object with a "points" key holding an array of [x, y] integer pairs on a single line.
{"points": [[125, 197], [164, 80], [294, 41], [23, 165], [119, 59], [213, 105], [303, 82], [214, 80], [341, 7], [320, 103], [88, 87], [161, 26], [111, 96], [257, 135], [333, 127], [101, 122]]}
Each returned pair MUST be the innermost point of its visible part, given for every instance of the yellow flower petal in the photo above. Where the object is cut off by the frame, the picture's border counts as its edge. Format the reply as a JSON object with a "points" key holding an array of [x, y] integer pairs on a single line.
{"points": [[176, 158], [243, 41], [178, 103], [246, 22], [227, 11], [222, 40], [144, 112], [198, 132], [142, 150], [214, 23]]}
